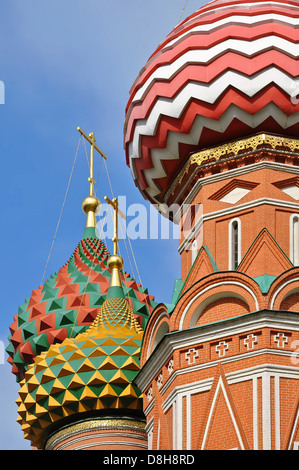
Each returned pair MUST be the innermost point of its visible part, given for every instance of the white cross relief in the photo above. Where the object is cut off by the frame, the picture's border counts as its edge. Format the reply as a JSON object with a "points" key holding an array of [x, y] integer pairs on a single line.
{"points": [[250, 341], [170, 366], [221, 348], [160, 380], [149, 394], [281, 340], [191, 356]]}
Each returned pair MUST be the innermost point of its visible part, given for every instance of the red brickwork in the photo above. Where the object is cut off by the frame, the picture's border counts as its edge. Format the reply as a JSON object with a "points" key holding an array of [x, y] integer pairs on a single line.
{"points": [[227, 357], [223, 308], [291, 303], [254, 216]]}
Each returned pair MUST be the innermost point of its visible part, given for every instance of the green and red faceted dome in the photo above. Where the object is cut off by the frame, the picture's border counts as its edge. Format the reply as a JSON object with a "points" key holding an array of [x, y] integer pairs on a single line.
{"points": [[228, 71], [68, 303]]}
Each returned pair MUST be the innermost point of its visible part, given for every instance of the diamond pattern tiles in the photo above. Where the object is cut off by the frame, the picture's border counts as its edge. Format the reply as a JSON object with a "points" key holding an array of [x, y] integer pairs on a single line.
{"points": [[92, 372], [68, 303]]}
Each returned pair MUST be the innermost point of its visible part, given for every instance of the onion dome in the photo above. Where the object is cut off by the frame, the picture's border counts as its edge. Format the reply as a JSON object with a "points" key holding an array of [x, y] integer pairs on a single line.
{"points": [[68, 302], [92, 373], [228, 71]]}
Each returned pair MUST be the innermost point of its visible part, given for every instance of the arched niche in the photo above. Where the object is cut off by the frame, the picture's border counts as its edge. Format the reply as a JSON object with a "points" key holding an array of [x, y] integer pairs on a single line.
{"points": [[217, 297]]}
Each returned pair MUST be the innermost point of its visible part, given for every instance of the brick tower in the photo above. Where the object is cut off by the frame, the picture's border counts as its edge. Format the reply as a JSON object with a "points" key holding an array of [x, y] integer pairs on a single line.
{"points": [[211, 131]]}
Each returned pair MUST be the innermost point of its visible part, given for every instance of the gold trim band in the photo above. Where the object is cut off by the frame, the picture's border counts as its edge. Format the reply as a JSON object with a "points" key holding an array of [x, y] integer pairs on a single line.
{"points": [[232, 149], [95, 424]]}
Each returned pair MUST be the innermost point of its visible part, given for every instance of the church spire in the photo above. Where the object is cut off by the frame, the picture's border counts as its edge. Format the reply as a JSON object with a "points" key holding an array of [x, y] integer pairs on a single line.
{"points": [[115, 262], [116, 312], [91, 203]]}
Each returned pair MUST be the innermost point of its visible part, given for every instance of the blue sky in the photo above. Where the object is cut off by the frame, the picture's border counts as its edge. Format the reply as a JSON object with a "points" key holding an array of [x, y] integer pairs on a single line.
{"points": [[66, 64]]}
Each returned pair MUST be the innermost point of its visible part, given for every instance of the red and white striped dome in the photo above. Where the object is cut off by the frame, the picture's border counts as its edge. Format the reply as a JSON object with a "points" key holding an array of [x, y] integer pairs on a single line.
{"points": [[228, 71]]}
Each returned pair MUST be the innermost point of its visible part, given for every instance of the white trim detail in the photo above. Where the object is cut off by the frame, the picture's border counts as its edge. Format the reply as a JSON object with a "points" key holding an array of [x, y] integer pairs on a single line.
{"points": [[277, 411], [221, 386], [234, 173], [154, 338], [160, 381], [281, 339], [235, 195], [266, 411], [188, 422], [255, 413], [158, 437], [264, 373], [230, 283], [179, 423], [229, 211], [149, 430], [174, 425], [296, 444], [294, 239], [194, 337], [250, 341], [191, 358], [231, 260], [280, 288], [221, 348], [194, 250]]}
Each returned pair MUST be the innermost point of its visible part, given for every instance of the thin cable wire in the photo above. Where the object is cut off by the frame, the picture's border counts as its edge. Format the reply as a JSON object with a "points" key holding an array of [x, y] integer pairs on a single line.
{"points": [[138, 274], [112, 194], [183, 11], [61, 211], [119, 250], [88, 277], [132, 270], [98, 176], [128, 255], [94, 257], [109, 181]]}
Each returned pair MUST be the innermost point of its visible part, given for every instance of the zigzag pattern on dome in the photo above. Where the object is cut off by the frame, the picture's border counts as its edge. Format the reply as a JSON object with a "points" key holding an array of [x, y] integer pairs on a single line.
{"points": [[227, 71], [68, 303]]}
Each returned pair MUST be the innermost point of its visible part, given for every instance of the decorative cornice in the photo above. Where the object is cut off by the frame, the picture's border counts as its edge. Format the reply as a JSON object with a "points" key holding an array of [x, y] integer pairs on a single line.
{"points": [[211, 332], [232, 377], [233, 150], [234, 210], [233, 173], [94, 425], [227, 360]]}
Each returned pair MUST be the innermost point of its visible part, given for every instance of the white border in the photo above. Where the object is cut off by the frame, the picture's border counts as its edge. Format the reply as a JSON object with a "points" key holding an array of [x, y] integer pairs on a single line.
{"points": [[234, 210], [280, 288], [264, 372], [217, 284], [294, 251], [230, 243]]}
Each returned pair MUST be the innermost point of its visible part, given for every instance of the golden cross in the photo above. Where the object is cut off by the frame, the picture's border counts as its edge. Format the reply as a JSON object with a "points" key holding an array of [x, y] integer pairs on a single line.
{"points": [[92, 140], [114, 205]]}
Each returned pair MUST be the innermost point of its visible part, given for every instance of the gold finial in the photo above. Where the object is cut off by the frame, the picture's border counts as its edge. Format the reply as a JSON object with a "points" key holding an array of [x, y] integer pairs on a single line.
{"points": [[115, 262], [90, 206], [91, 203]]}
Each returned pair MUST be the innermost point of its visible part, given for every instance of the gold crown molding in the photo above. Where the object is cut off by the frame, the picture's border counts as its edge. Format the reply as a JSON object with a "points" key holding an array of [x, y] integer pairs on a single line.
{"points": [[94, 425], [234, 149]]}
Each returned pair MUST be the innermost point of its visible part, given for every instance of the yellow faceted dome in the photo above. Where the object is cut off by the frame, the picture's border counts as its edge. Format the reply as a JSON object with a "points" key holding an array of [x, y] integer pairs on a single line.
{"points": [[91, 373]]}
